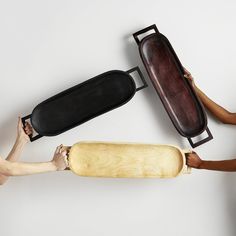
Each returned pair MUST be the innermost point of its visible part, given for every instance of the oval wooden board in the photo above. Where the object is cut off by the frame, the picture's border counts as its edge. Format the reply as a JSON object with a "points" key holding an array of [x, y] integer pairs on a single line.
{"points": [[125, 160]]}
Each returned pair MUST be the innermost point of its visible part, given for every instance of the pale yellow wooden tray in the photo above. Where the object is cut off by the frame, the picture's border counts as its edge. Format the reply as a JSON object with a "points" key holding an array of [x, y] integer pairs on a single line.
{"points": [[127, 160]]}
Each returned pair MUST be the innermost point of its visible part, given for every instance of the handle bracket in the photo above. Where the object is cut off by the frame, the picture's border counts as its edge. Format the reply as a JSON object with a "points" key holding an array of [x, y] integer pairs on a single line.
{"points": [[208, 138], [31, 137], [151, 27], [145, 85]]}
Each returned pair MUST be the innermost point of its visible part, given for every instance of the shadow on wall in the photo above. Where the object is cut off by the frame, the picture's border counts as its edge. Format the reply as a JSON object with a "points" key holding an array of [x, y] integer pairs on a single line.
{"points": [[156, 106]]}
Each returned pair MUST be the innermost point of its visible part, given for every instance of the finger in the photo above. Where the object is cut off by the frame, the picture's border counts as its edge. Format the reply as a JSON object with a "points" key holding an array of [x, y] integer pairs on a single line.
{"points": [[61, 146], [66, 161], [31, 129], [57, 149], [64, 153], [28, 131], [27, 127], [188, 161], [20, 122], [188, 154], [66, 148]]}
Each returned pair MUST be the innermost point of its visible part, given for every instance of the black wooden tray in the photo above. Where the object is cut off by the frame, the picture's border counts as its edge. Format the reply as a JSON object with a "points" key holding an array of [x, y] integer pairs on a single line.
{"points": [[176, 93], [83, 102]]}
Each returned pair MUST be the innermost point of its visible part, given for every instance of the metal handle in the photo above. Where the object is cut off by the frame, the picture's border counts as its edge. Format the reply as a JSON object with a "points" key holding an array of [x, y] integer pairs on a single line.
{"points": [[151, 27], [145, 85], [31, 137], [201, 141], [187, 169]]}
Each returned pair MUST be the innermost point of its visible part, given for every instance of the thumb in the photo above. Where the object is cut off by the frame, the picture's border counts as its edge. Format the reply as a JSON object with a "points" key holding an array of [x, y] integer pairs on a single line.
{"points": [[19, 122], [64, 153]]}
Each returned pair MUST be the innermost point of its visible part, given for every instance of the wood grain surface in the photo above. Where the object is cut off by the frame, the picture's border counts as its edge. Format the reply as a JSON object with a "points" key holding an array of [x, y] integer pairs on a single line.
{"points": [[126, 160]]}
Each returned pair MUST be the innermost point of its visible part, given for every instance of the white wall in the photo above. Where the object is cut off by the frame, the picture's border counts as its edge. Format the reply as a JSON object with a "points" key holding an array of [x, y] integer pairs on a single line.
{"points": [[47, 46]]}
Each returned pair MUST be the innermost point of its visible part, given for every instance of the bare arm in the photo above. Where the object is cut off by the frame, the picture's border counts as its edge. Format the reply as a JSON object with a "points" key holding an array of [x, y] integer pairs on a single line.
{"points": [[8, 168], [14, 155], [21, 140], [193, 160], [59, 162], [219, 112]]}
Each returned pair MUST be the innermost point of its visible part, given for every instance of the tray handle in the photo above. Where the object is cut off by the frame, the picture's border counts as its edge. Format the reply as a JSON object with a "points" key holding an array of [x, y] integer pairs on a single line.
{"points": [[151, 27], [208, 138], [31, 137], [145, 85], [186, 169]]}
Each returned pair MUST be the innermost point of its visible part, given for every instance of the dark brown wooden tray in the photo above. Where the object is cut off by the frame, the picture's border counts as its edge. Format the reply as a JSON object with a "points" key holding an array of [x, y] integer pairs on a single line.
{"points": [[176, 93], [83, 102]]}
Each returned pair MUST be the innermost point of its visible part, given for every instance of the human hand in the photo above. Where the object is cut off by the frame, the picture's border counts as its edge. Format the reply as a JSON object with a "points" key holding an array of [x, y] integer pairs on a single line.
{"points": [[193, 160], [60, 158], [188, 76], [24, 132]]}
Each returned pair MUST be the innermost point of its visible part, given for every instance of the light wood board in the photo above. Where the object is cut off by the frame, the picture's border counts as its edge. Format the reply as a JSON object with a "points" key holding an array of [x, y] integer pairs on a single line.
{"points": [[126, 160]]}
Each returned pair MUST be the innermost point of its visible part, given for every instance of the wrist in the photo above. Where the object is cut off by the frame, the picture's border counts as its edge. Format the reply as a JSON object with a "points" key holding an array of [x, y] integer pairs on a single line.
{"points": [[21, 141], [54, 164], [202, 165]]}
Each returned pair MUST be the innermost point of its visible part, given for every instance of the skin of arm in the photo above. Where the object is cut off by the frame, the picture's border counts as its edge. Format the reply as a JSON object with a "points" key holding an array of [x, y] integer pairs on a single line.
{"points": [[193, 160], [219, 112], [8, 168], [223, 115], [59, 162], [21, 140], [11, 166]]}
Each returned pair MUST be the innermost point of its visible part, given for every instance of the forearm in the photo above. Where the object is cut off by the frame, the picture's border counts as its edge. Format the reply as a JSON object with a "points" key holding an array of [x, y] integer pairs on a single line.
{"points": [[14, 155], [226, 165], [20, 168], [16, 150], [219, 112]]}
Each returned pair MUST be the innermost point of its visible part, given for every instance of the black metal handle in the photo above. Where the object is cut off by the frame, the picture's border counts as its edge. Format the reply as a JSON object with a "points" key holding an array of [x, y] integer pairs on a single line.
{"points": [[145, 85], [151, 27], [201, 141], [31, 137]]}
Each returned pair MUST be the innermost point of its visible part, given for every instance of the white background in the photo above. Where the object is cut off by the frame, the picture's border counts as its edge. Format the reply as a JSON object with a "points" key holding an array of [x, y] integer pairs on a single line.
{"points": [[49, 45]]}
